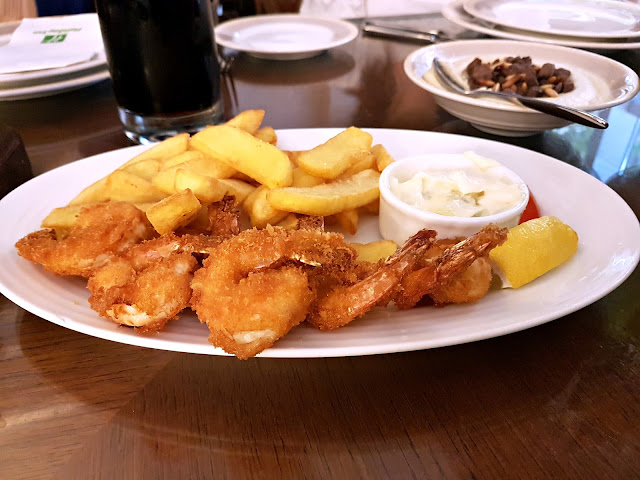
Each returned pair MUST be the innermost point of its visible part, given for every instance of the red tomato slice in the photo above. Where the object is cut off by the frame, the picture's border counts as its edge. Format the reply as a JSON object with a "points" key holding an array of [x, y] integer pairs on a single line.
{"points": [[530, 211]]}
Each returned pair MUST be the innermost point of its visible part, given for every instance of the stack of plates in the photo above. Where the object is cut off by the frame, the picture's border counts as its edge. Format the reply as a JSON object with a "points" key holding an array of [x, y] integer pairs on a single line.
{"points": [[590, 24], [42, 83]]}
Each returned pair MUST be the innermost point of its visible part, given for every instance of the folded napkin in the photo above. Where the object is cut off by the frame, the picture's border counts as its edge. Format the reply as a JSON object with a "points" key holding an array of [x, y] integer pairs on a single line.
{"points": [[52, 42]]}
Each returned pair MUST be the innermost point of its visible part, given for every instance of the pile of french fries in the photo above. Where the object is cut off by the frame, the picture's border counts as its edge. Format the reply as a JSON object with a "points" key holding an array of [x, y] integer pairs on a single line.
{"points": [[175, 180]]}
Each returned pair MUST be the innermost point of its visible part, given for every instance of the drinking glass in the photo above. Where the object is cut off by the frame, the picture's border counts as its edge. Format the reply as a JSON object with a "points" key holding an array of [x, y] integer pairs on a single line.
{"points": [[163, 64]]}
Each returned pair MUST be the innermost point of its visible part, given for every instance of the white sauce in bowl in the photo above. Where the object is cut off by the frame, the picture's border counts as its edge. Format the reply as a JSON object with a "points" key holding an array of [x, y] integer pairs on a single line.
{"points": [[467, 190], [476, 190]]}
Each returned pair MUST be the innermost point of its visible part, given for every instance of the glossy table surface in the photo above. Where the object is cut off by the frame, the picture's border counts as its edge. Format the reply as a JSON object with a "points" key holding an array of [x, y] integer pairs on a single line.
{"points": [[561, 400]]}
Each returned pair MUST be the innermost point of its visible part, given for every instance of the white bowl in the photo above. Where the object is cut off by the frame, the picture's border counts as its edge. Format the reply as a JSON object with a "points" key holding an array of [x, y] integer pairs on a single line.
{"points": [[398, 220], [600, 83]]}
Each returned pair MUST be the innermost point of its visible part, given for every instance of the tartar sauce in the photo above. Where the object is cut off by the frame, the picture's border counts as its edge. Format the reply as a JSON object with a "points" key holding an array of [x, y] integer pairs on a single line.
{"points": [[474, 188]]}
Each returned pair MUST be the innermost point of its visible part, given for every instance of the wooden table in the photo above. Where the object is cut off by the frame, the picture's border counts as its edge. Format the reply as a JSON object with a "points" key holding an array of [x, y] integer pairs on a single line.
{"points": [[561, 400]]}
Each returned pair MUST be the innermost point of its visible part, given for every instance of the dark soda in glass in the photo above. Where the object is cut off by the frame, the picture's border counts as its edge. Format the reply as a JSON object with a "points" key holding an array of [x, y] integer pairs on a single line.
{"points": [[161, 55]]}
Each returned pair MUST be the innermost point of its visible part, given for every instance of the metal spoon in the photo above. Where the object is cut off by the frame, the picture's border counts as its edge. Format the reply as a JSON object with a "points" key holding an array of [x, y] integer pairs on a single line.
{"points": [[560, 111]]}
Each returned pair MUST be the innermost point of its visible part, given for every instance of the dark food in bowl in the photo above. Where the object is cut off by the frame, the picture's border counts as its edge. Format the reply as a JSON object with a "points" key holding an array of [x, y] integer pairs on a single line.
{"points": [[520, 76]]}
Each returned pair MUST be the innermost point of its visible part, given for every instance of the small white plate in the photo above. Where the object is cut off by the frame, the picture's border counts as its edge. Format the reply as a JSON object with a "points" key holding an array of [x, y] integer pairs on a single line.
{"points": [[600, 83], [23, 79], [284, 36], [54, 87], [454, 12], [577, 18], [608, 252]]}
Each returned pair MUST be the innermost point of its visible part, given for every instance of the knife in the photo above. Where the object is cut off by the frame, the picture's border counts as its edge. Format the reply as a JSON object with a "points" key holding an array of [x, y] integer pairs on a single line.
{"points": [[398, 33]]}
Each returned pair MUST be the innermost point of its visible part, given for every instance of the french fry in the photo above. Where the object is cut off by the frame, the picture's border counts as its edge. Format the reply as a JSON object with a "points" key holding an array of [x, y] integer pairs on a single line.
{"points": [[61, 233], [196, 162], [144, 168], [290, 222], [294, 155], [337, 154], [304, 179], [173, 212], [247, 154], [367, 162], [165, 180], [180, 158], [200, 221], [124, 186], [250, 199], [95, 193], [216, 167], [206, 165], [66, 217], [348, 220], [206, 189], [247, 120], [267, 134], [261, 211], [243, 177], [62, 217], [144, 206], [382, 156], [372, 208], [337, 180], [328, 198], [239, 189], [165, 149], [375, 251]]}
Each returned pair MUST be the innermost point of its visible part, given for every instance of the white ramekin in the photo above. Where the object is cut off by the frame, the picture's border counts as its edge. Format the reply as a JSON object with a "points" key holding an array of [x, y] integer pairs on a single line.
{"points": [[398, 220]]}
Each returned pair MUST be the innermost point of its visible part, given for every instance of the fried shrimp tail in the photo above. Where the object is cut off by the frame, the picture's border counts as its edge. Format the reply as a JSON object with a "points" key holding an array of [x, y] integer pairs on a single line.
{"points": [[224, 217], [101, 232], [254, 287], [441, 273], [343, 304], [306, 222]]}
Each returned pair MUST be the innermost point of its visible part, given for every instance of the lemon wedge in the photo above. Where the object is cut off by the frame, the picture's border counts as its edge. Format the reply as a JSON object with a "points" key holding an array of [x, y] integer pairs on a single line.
{"points": [[532, 249]]}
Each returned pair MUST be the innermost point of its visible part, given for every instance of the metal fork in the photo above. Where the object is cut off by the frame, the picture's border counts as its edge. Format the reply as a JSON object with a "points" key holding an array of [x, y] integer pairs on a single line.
{"points": [[560, 111], [226, 62]]}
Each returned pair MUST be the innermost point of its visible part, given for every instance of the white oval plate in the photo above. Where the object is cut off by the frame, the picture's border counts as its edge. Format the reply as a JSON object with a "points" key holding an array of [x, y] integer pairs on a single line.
{"points": [[454, 12], [25, 79], [284, 36], [578, 18], [600, 82], [609, 249]]}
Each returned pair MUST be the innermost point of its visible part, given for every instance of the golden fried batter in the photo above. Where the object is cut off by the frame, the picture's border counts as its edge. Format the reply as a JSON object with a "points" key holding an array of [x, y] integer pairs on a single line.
{"points": [[253, 288], [101, 232]]}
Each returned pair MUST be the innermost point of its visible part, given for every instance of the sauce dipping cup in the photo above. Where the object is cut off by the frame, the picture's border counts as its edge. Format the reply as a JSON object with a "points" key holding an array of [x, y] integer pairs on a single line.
{"points": [[399, 220]]}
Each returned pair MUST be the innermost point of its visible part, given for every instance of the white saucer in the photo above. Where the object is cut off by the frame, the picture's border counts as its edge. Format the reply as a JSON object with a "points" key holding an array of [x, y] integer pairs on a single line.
{"points": [[284, 36], [607, 19], [454, 12]]}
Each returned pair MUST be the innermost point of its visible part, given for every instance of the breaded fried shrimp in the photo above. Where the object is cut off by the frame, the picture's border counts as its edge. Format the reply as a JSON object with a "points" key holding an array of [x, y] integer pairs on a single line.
{"points": [[101, 232], [150, 283], [344, 304], [440, 273], [146, 299], [253, 288]]}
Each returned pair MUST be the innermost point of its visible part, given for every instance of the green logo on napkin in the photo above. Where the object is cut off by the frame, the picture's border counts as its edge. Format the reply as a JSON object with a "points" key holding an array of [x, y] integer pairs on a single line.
{"points": [[54, 38]]}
